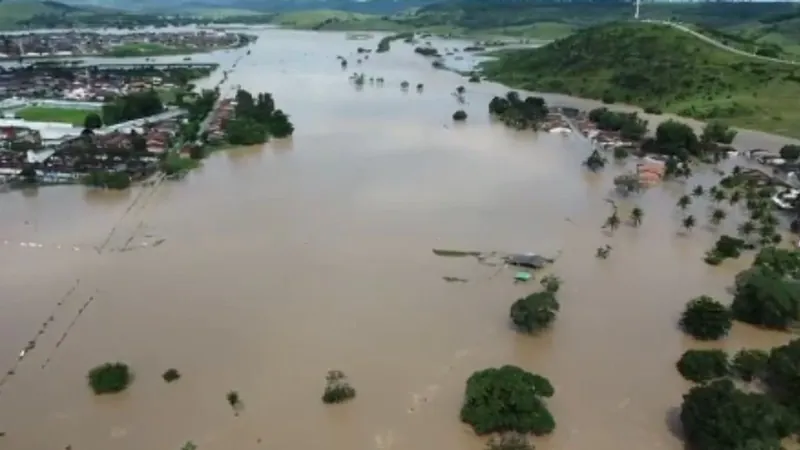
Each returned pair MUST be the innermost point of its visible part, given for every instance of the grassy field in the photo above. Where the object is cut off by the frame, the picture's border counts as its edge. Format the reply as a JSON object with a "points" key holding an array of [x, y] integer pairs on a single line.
{"points": [[51, 114], [145, 49], [659, 67]]}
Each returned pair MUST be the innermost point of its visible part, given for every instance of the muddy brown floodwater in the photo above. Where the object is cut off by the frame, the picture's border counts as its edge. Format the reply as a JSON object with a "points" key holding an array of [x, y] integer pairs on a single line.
{"points": [[282, 262]]}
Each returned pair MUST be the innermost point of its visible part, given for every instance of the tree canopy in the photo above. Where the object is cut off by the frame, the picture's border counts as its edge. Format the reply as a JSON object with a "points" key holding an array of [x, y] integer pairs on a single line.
{"points": [[703, 365], [256, 119], [518, 113], [132, 106], [706, 319], [507, 399], [717, 416], [535, 312], [765, 298], [110, 378]]}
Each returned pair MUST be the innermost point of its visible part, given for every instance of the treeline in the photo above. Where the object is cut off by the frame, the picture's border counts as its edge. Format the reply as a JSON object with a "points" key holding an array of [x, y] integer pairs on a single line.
{"points": [[255, 120], [132, 106], [385, 44], [518, 113]]}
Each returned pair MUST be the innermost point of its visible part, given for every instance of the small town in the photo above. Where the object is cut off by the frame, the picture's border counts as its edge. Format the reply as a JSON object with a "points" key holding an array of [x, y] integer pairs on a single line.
{"points": [[78, 44], [61, 122]]}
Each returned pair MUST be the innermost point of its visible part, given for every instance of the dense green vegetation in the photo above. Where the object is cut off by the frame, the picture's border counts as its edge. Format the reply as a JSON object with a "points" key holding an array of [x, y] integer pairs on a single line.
{"points": [[110, 378], [118, 180], [507, 399], [703, 365], [385, 44], [132, 106], [535, 312], [749, 364], [658, 67], [518, 113], [718, 416], [255, 120], [706, 319]]}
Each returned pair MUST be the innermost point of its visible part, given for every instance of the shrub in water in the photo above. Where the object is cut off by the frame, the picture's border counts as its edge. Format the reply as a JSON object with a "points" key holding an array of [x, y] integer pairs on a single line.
{"points": [[507, 399], [171, 375], [110, 378], [337, 388], [703, 365], [706, 319]]}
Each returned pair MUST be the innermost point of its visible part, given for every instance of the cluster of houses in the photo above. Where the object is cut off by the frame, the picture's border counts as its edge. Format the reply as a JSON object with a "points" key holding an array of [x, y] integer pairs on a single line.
{"points": [[135, 150], [94, 84], [219, 118], [71, 44]]}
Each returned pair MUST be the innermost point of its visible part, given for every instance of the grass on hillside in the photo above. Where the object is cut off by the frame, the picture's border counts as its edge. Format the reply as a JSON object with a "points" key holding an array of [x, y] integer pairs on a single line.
{"points": [[658, 66], [51, 114]]}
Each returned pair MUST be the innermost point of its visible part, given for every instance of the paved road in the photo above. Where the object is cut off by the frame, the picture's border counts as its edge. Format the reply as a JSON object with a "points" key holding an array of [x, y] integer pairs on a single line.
{"points": [[719, 44]]}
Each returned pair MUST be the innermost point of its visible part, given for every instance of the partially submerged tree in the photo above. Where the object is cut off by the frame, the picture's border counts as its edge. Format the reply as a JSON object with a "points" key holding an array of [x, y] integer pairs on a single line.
{"points": [[703, 365], [505, 399], [749, 364], [535, 312], [234, 400], [766, 298], [595, 161], [110, 378], [637, 214], [717, 416], [460, 115], [337, 388], [706, 319], [551, 283], [171, 375]]}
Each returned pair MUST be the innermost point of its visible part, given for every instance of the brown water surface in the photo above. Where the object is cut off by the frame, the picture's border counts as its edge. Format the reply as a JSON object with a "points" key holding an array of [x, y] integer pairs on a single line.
{"points": [[282, 262]]}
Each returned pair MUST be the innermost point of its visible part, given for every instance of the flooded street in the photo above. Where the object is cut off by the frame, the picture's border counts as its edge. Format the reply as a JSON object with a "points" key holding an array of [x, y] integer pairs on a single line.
{"points": [[279, 263]]}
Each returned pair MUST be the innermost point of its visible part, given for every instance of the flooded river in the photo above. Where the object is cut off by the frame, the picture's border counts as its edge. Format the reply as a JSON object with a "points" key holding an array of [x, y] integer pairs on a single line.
{"points": [[282, 262]]}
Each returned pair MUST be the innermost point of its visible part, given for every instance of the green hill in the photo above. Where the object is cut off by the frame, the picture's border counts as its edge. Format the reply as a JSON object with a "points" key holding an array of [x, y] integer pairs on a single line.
{"points": [[15, 13], [659, 67]]}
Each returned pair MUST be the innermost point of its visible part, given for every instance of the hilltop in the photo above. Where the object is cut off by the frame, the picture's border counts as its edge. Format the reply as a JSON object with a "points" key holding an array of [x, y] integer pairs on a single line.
{"points": [[659, 68]]}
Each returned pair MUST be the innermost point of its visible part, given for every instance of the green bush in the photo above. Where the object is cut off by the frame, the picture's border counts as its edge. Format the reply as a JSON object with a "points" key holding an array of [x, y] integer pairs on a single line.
{"points": [[766, 298], [703, 365], [171, 375], [749, 364], [337, 388], [717, 416], [507, 399], [534, 312], [609, 99], [110, 378], [706, 319]]}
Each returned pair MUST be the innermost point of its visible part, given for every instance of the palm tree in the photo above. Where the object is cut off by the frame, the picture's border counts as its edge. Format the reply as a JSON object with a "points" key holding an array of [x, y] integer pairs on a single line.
{"points": [[684, 202], [718, 196], [636, 216], [698, 191], [612, 222], [747, 228], [766, 232], [689, 222], [717, 216]]}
